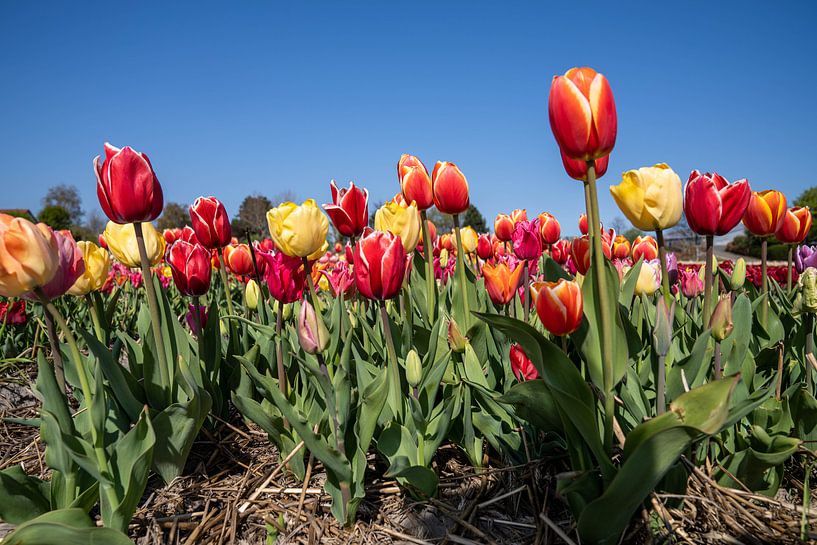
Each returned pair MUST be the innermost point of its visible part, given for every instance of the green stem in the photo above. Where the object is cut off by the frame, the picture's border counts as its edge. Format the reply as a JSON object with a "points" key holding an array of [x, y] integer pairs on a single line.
{"points": [[95, 318], [431, 284], [788, 272], [279, 350], [708, 279], [262, 313], [764, 309], [605, 311], [153, 306], [395, 390], [662, 257], [56, 354], [660, 386], [461, 274], [717, 361], [222, 270], [527, 290], [809, 324], [312, 295]]}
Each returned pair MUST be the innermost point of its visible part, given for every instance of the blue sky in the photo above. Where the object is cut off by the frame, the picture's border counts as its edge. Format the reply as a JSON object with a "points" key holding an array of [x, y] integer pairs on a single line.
{"points": [[235, 98]]}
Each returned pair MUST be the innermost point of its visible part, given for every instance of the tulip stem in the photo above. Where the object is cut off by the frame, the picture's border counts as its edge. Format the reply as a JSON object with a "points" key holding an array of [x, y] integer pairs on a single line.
{"points": [[224, 280], [788, 272], [263, 312], [660, 386], [662, 257], [395, 390], [717, 361], [312, 295], [527, 290], [809, 324], [153, 306], [95, 318], [431, 285], [279, 353], [764, 308], [461, 275], [779, 388], [708, 279], [56, 354], [605, 312]]}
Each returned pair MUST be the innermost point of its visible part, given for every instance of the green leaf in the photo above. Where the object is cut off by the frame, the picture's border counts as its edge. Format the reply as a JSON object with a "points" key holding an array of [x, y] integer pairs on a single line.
{"points": [[534, 403], [125, 387], [64, 527], [22, 497]]}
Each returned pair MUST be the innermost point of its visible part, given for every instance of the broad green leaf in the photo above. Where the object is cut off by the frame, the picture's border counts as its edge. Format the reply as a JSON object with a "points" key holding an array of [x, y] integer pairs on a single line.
{"points": [[64, 527], [22, 497]]}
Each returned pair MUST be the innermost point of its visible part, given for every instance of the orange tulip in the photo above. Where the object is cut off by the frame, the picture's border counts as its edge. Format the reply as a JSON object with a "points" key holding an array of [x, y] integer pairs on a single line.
{"points": [[765, 212], [415, 182], [29, 255], [502, 282], [549, 228], [795, 226], [520, 214], [503, 227], [580, 254], [450, 188], [621, 247], [559, 305], [646, 247], [582, 114]]}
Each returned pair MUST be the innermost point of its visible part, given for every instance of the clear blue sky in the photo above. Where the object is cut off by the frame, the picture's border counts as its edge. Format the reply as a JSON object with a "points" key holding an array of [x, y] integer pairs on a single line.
{"points": [[234, 98]]}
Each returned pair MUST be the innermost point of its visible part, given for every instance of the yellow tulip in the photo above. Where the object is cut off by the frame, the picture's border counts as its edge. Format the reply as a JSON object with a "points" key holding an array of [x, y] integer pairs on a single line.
{"points": [[252, 294], [649, 278], [97, 264], [121, 241], [299, 230], [650, 197], [401, 221], [469, 239], [29, 255]]}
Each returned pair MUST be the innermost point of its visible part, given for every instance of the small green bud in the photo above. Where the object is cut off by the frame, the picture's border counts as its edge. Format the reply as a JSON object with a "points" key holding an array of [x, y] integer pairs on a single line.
{"points": [[456, 340], [721, 322], [662, 334], [414, 368], [287, 311], [252, 294], [808, 290], [738, 275]]}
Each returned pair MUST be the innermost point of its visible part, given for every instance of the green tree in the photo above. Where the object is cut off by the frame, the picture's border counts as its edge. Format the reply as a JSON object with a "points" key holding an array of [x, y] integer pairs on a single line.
{"points": [[55, 216], [252, 216], [809, 198], [67, 197], [174, 215], [475, 219]]}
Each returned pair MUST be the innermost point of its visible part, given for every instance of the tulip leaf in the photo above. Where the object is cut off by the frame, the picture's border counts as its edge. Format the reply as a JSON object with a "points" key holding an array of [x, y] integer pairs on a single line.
{"points": [[124, 385], [533, 402], [66, 527], [22, 497]]}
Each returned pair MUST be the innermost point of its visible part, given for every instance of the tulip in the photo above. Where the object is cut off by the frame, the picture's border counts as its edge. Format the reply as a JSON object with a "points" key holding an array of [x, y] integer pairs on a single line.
{"points": [[712, 205], [71, 266], [721, 324], [210, 222], [121, 241], [502, 281], [559, 305], [646, 247], [188, 235], [252, 294], [621, 247], [401, 221], [649, 278], [29, 255], [765, 213], [738, 276], [577, 169], [170, 235], [503, 227], [650, 197], [456, 340], [312, 334], [406, 162], [582, 114], [560, 251], [190, 266], [691, 284], [808, 286], [341, 279], [485, 250], [519, 214], [127, 187], [13, 313], [349, 210], [414, 369], [583, 224], [450, 188], [522, 367], [447, 242], [805, 257], [196, 318], [527, 243], [549, 228], [795, 226], [380, 265], [415, 182], [469, 239], [299, 230], [580, 254], [285, 276], [97, 264], [238, 259]]}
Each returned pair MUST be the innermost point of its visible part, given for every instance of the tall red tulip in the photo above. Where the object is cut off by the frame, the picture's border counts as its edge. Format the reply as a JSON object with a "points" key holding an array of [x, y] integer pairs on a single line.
{"points": [[577, 169], [127, 187], [210, 222], [765, 212], [380, 265], [795, 226], [712, 205], [582, 114], [621, 247], [559, 305], [415, 181], [349, 210], [549, 228], [450, 188], [190, 266]]}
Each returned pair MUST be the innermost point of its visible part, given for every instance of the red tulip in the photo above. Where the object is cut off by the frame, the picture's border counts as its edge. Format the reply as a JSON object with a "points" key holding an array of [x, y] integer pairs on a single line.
{"points": [[450, 188], [521, 365], [712, 205], [267, 245], [503, 227], [127, 187], [559, 305], [13, 313], [485, 250], [549, 228], [795, 226], [380, 265], [583, 224], [502, 281], [621, 247], [407, 161], [582, 114], [285, 276], [526, 241], [580, 254], [210, 222], [646, 247], [415, 182], [349, 210], [577, 169], [341, 279], [691, 283], [187, 234], [765, 212], [190, 266], [519, 214], [560, 250], [238, 259], [170, 235]]}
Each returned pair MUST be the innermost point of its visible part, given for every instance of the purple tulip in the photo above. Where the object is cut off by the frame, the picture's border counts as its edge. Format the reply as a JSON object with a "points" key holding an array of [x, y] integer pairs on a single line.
{"points": [[805, 257]]}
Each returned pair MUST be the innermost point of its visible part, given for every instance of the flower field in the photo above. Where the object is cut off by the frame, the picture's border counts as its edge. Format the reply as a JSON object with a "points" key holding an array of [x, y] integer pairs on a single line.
{"points": [[591, 389]]}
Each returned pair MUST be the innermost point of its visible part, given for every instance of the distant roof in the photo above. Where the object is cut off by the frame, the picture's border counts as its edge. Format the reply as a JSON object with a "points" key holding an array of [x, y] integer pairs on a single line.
{"points": [[19, 213]]}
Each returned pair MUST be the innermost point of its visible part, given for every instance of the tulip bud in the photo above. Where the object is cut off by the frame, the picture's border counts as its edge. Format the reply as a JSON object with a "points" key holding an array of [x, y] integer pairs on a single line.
{"points": [[197, 318], [450, 188], [662, 334], [414, 369], [721, 322], [252, 294], [312, 333], [287, 312], [456, 340], [738, 274], [808, 287]]}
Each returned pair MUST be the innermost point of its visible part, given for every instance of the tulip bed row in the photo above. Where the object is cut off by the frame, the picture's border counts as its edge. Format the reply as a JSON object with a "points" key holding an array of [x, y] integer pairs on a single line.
{"points": [[603, 355]]}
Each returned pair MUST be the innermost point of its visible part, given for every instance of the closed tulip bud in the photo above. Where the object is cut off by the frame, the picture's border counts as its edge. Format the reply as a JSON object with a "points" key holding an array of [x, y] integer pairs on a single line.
{"points": [[805, 257], [414, 369], [402, 221], [559, 305], [121, 241], [210, 222], [380, 265], [577, 169], [650, 197], [560, 251], [645, 247], [97, 264], [691, 283], [252, 294], [416, 186], [349, 210], [580, 254], [196, 318], [312, 333], [583, 228], [765, 212], [662, 333], [521, 366], [721, 324], [549, 228], [702, 269], [485, 249], [582, 114], [299, 230], [501, 281], [238, 259], [456, 340], [527, 243], [29, 255], [795, 226], [127, 187], [190, 266], [621, 247], [503, 227], [649, 278], [712, 205], [738, 276], [450, 188], [469, 239], [808, 290]]}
